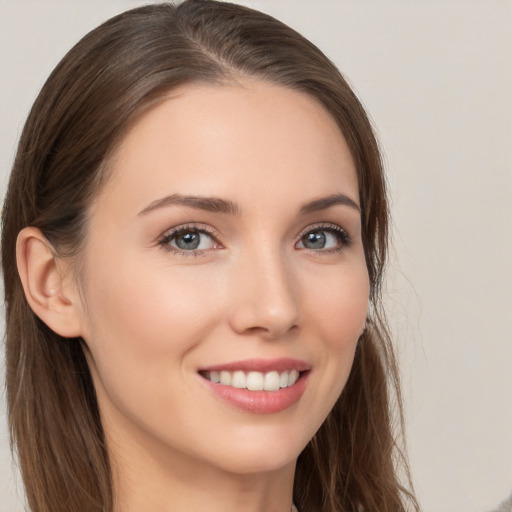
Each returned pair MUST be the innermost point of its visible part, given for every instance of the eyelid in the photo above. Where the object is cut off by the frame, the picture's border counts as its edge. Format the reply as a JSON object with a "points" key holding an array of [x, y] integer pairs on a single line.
{"points": [[323, 225]]}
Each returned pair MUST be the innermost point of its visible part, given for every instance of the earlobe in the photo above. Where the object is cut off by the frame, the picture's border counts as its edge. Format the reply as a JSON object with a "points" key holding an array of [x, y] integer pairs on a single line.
{"points": [[47, 282]]}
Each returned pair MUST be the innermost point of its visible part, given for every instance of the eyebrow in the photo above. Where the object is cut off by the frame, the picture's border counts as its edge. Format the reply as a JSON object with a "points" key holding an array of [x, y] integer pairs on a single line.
{"points": [[211, 204], [326, 202], [218, 205]]}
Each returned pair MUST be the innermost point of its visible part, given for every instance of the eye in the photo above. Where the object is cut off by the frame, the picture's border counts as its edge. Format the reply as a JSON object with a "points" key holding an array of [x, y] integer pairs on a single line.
{"points": [[324, 238], [189, 240]]}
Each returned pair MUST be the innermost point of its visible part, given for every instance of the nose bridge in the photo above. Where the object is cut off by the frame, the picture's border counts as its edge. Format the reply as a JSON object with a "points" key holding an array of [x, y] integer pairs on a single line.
{"points": [[266, 301]]}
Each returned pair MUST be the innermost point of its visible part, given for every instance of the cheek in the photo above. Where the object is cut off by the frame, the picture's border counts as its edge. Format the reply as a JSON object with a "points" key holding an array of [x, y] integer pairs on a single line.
{"points": [[142, 317], [143, 322], [340, 306], [336, 310]]}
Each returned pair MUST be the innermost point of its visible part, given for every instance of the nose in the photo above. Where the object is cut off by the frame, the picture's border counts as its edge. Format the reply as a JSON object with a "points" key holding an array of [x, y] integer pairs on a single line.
{"points": [[266, 302]]}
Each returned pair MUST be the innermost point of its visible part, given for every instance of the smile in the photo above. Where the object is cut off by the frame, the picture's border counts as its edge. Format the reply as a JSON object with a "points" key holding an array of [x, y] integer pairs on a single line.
{"points": [[254, 381], [259, 386]]}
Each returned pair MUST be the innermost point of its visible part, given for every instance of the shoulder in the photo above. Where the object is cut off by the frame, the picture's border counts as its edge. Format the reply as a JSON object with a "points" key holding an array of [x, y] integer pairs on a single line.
{"points": [[506, 506]]}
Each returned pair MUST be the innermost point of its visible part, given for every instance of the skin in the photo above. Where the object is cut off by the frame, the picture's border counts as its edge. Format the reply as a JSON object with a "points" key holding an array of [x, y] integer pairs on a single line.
{"points": [[152, 316]]}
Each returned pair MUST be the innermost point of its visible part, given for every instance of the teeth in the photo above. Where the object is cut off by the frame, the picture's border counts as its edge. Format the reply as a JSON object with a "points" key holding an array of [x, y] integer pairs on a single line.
{"points": [[239, 380], [292, 377], [272, 381], [254, 381], [225, 378]]}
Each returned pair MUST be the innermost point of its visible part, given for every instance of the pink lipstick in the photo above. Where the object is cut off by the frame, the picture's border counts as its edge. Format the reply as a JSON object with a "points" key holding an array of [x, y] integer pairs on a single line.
{"points": [[262, 386]]}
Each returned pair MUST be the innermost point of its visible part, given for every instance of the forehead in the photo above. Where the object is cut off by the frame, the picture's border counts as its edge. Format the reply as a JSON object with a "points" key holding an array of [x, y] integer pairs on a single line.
{"points": [[200, 139]]}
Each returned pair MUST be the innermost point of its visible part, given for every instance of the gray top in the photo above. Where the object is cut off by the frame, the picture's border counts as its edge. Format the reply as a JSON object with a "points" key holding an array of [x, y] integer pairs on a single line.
{"points": [[506, 506]]}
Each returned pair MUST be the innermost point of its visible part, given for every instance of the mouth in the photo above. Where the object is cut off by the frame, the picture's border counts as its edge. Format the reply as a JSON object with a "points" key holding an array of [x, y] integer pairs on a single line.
{"points": [[257, 385], [253, 381]]}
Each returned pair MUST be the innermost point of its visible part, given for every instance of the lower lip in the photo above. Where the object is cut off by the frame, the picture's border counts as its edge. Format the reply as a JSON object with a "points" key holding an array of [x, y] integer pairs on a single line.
{"points": [[260, 402]]}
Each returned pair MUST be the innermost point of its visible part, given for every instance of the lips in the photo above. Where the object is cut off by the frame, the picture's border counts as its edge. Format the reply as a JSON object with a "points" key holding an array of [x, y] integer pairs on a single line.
{"points": [[261, 365], [258, 385]]}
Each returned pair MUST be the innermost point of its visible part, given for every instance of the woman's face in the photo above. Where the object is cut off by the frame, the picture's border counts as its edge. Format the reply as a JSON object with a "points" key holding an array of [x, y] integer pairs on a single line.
{"points": [[226, 245]]}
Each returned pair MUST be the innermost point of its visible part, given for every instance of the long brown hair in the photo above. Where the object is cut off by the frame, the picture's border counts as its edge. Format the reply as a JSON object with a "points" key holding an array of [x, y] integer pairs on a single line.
{"points": [[87, 104]]}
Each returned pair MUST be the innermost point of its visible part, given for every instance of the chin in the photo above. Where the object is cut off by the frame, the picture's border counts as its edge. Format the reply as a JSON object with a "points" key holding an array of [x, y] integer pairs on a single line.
{"points": [[250, 465], [263, 452]]}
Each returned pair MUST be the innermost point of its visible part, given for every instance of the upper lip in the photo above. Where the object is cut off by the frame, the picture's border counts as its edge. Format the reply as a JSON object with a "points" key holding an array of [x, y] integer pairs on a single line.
{"points": [[260, 365]]}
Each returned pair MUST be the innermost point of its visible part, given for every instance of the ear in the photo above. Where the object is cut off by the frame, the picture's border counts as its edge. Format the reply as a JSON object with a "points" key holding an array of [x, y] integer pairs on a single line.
{"points": [[48, 283]]}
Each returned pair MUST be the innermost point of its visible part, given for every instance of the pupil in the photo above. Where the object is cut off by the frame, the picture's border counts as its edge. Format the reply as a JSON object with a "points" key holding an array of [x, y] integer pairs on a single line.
{"points": [[315, 240], [188, 241]]}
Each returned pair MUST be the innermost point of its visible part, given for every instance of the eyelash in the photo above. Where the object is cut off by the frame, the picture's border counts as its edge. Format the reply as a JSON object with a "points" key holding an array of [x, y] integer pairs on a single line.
{"points": [[343, 237], [166, 239]]}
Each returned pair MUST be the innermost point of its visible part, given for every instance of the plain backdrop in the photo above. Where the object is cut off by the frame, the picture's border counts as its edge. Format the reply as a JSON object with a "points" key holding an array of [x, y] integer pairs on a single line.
{"points": [[436, 77]]}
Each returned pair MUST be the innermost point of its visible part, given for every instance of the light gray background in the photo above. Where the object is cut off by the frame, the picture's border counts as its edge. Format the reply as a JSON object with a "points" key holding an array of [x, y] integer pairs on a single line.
{"points": [[436, 76]]}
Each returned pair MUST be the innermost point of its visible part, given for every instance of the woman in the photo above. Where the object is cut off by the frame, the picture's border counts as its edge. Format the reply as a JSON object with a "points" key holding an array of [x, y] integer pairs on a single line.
{"points": [[194, 237]]}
